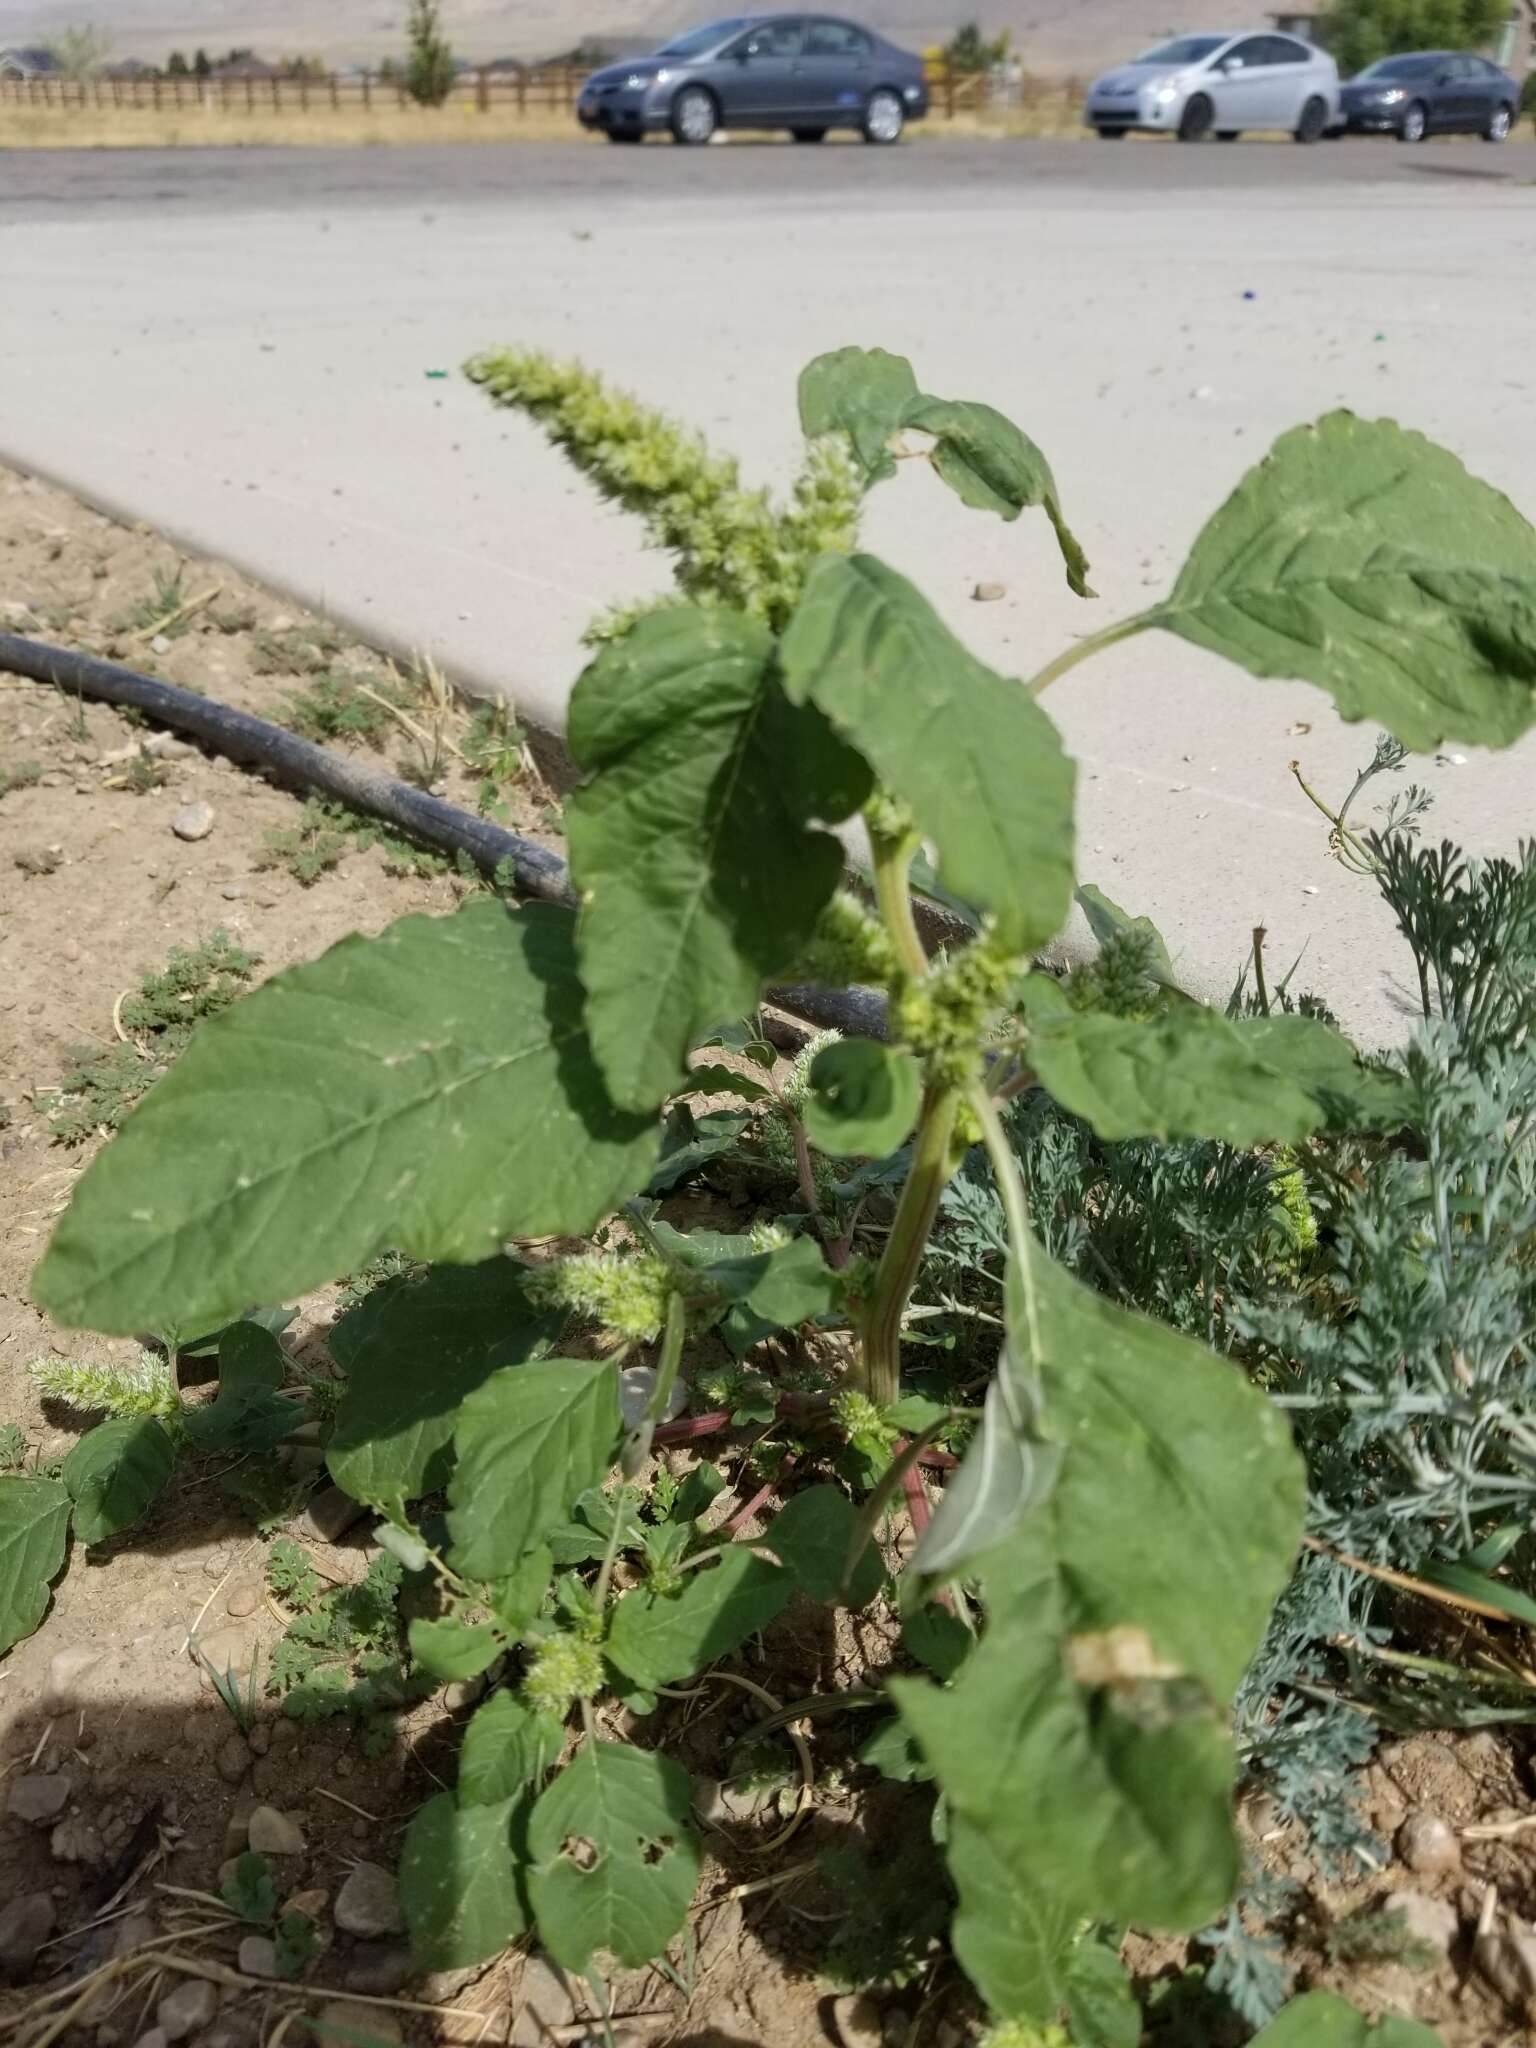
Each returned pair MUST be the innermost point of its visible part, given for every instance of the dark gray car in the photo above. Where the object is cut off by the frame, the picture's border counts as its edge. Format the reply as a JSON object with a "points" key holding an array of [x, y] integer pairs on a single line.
{"points": [[1432, 92], [805, 72]]}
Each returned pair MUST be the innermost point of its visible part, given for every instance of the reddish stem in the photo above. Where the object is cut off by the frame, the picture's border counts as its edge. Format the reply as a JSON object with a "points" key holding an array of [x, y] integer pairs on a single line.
{"points": [[917, 1499], [760, 1499]]}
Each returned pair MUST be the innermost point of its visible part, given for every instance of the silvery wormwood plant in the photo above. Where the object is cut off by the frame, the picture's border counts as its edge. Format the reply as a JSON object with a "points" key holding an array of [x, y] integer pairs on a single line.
{"points": [[1129, 1507]]}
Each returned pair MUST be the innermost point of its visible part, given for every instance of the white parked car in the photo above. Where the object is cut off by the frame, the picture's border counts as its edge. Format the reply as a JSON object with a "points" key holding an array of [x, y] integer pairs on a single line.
{"points": [[1221, 85]]}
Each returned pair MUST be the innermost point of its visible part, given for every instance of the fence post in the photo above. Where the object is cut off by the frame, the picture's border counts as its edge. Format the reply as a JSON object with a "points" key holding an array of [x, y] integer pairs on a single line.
{"points": [[522, 89], [367, 92], [483, 90]]}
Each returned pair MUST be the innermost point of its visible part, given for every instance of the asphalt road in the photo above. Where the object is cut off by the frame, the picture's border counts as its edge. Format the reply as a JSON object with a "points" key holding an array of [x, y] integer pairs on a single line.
{"points": [[254, 350], [928, 170]]}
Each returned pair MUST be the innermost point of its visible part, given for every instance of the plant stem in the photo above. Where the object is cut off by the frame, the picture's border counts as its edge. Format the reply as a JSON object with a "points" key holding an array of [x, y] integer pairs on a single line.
{"points": [[1258, 968], [605, 1575], [896, 1274], [893, 1477], [1095, 643], [893, 893]]}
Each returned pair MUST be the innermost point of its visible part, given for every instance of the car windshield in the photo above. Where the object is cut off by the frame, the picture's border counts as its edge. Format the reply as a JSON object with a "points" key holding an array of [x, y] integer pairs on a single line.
{"points": [[698, 39], [1400, 67], [1183, 50]]}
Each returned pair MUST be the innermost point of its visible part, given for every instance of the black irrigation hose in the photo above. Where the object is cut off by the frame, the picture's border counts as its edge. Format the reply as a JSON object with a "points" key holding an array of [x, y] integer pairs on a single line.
{"points": [[535, 871]]}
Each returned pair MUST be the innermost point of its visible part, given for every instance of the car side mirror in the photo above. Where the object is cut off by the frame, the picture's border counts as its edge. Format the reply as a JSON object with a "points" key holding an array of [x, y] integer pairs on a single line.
{"points": [[1230, 64]]}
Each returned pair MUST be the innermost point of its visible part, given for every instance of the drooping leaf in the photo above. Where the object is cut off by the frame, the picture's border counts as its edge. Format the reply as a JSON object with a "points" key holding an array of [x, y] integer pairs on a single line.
{"points": [[1367, 560], [115, 1472], [454, 1649], [460, 1886], [715, 1078], [990, 464], [863, 1098], [1003, 1475], [1190, 1072], [696, 762], [972, 755], [812, 1533], [864, 393], [507, 1745], [394, 1429], [248, 1413], [614, 1856], [34, 1528], [431, 1089], [1321, 2020], [690, 1143], [658, 1638], [528, 1440], [1083, 1745]]}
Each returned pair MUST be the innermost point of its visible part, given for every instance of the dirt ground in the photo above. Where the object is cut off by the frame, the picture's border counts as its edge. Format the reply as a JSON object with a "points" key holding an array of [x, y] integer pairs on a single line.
{"points": [[148, 1786]]}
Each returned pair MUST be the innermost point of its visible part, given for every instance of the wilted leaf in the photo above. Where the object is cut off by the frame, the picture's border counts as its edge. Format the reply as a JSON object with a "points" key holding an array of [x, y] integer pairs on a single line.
{"points": [[431, 1089], [614, 1856], [974, 757], [990, 464], [115, 1472], [1367, 560], [864, 393], [528, 1440], [697, 763]]}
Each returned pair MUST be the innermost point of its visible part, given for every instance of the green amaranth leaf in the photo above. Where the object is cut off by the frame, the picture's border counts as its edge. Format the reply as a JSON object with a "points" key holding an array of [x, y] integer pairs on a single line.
{"points": [[696, 763], [528, 1441], [114, 1473], [1368, 561], [863, 1098], [690, 1143], [1320, 2020], [656, 1639], [1107, 921], [812, 1533], [460, 1886], [614, 1856], [972, 755], [393, 1436], [506, 1746], [990, 464], [776, 1289], [1083, 1745], [248, 1413], [1351, 1094], [1003, 1475], [431, 1089], [1100, 2002], [454, 1649], [34, 1527], [863, 393]]}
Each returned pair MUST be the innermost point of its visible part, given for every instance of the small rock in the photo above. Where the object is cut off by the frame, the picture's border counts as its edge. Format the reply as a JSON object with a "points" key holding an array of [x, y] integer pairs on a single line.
{"points": [[544, 2003], [330, 1515], [38, 1799], [379, 1972], [155, 2038], [216, 1564], [232, 892], [310, 1903], [233, 1759], [271, 1833], [193, 821], [230, 1651], [190, 2006], [857, 2021], [368, 1904], [71, 951], [340, 2024], [229, 1872], [260, 1738], [707, 1801], [1428, 1920], [989, 593], [242, 1599], [258, 1956], [1427, 1845], [75, 1841], [68, 1667], [160, 644], [132, 1931], [25, 1924], [232, 2029], [462, 1693], [637, 1383]]}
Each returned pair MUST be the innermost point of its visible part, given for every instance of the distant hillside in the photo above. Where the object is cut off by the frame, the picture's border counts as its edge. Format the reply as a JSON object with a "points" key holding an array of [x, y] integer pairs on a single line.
{"points": [[1052, 35]]}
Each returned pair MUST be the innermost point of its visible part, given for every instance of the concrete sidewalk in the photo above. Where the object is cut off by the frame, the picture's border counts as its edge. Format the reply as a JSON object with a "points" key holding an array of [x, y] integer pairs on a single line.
{"points": [[256, 383]]}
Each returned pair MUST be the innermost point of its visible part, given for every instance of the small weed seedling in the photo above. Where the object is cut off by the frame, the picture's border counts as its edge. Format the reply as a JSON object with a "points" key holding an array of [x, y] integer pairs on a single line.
{"points": [[1085, 1599]]}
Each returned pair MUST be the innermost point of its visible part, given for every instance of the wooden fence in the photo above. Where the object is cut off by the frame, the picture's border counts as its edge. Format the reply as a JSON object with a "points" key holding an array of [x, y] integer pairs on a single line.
{"points": [[547, 89]]}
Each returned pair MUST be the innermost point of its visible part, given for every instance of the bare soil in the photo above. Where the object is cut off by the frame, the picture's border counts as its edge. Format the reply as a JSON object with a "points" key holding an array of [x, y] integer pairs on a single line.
{"points": [[95, 889]]}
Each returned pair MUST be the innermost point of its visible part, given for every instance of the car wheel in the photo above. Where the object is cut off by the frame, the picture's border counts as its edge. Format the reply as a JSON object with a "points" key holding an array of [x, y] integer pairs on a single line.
{"points": [[1314, 119], [1414, 125], [1500, 121], [695, 116], [884, 116], [1228, 134], [1110, 134], [1195, 121], [809, 134]]}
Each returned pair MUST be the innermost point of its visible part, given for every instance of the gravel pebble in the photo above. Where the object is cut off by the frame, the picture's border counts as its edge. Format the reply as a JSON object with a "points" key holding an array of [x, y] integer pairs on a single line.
{"points": [[989, 593], [193, 821], [368, 1903], [271, 1833], [190, 2006], [340, 2024], [242, 1599], [857, 2021], [1427, 1845], [258, 1956], [331, 1514], [36, 1798], [233, 1759], [25, 1924], [1427, 1920], [65, 1671]]}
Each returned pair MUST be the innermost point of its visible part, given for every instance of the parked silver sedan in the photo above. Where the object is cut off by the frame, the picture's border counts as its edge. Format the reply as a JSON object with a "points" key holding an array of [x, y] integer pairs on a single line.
{"points": [[1198, 85]]}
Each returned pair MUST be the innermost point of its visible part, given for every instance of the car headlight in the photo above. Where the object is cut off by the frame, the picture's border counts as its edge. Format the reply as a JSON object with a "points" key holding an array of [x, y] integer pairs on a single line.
{"points": [[662, 77], [1166, 95], [1391, 98], [913, 92], [635, 81]]}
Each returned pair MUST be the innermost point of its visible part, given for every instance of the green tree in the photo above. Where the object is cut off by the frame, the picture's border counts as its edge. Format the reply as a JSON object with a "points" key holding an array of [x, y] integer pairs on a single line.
{"points": [[82, 51], [202, 64], [969, 48], [1360, 31], [177, 65], [429, 65]]}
